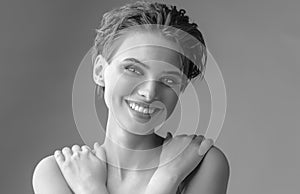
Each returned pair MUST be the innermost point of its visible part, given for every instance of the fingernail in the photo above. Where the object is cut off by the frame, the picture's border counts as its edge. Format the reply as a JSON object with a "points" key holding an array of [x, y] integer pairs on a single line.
{"points": [[205, 146], [201, 150], [57, 153]]}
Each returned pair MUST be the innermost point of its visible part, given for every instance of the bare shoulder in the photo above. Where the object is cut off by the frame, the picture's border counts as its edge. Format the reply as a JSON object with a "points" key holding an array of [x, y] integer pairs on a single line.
{"points": [[47, 178], [216, 159], [47, 163], [212, 174]]}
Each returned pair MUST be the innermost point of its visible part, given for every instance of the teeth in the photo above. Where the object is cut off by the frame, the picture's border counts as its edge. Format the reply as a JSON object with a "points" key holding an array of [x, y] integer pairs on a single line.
{"points": [[141, 109], [136, 108]]}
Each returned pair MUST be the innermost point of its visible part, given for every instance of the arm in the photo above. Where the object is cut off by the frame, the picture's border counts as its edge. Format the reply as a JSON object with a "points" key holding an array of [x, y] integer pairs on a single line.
{"points": [[179, 157], [162, 183], [212, 176], [47, 178]]}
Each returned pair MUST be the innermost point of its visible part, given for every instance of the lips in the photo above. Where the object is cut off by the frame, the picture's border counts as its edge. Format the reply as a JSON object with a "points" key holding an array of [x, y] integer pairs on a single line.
{"points": [[142, 110]]}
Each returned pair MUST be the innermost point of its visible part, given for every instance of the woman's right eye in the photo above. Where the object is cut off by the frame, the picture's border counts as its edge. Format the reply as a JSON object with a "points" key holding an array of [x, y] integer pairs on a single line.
{"points": [[132, 69]]}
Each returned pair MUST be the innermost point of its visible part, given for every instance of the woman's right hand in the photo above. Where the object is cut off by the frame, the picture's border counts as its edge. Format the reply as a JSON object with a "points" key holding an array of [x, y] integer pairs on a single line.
{"points": [[181, 154], [84, 170]]}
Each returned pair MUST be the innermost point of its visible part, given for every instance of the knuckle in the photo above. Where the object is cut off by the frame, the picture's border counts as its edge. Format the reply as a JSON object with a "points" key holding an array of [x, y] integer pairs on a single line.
{"points": [[85, 148], [66, 164], [57, 152], [75, 156], [199, 139], [75, 146], [66, 149]]}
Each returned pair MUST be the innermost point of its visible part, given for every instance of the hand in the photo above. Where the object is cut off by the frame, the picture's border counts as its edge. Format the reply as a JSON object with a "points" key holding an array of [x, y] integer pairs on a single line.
{"points": [[84, 170], [181, 154]]}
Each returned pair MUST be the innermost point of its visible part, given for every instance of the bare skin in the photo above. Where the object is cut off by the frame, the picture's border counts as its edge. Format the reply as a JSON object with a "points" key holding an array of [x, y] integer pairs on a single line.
{"points": [[128, 170], [85, 173]]}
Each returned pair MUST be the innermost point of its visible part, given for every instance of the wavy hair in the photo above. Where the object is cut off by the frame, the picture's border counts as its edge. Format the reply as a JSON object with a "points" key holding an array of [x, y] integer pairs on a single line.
{"points": [[115, 22]]}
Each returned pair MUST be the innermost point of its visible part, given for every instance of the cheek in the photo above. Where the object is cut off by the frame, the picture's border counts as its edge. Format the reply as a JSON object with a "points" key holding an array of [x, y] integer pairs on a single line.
{"points": [[169, 99], [118, 87], [125, 85]]}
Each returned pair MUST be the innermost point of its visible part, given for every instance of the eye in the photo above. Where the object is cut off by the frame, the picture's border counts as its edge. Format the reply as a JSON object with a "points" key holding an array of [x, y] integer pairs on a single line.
{"points": [[133, 69], [170, 81]]}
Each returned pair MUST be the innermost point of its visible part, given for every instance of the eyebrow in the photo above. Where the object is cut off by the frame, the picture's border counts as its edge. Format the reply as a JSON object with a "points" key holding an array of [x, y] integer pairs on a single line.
{"points": [[134, 60]]}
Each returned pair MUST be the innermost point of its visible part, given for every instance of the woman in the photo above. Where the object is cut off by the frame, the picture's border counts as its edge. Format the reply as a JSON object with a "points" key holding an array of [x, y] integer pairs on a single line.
{"points": [[141, 66]]}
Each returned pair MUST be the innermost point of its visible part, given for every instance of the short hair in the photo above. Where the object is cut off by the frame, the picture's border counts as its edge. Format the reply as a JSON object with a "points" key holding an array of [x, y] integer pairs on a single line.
{"points": [[141, 12]]}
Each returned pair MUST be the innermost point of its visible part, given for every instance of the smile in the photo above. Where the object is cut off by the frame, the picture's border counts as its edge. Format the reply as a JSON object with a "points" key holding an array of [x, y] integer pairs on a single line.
{"points": [[143, 109]]}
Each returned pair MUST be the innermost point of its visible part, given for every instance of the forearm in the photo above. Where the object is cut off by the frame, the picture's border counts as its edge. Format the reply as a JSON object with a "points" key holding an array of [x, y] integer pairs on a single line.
{"points": [[162, 184], [100, 189]]}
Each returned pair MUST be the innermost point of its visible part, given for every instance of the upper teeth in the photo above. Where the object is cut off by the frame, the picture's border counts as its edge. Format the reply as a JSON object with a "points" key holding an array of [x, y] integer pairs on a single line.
{"points": [[141, 109]]}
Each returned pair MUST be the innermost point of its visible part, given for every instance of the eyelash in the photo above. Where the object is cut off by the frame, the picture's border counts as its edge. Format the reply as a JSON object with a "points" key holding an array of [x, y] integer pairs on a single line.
{"points": [[132, 69]]}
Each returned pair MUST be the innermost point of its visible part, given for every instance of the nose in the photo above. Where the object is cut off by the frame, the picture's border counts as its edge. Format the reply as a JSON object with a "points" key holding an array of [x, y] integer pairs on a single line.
{"points": [[147, 90]]}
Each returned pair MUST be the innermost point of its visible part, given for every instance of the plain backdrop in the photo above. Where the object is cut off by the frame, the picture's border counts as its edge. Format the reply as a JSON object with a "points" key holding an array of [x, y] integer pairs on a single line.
{"points": [[255, 42]]}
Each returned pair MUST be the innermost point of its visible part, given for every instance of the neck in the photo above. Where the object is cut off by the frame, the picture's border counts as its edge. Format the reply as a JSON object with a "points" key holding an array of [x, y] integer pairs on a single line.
{"points": [[131, 151]]}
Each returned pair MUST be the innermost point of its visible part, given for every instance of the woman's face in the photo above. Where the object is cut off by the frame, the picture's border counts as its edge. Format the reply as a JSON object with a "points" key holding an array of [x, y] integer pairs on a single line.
{"points": [[142, 82]]}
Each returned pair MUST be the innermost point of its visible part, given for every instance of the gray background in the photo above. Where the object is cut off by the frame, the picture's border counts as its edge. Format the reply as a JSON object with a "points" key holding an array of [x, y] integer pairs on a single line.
{"points": [[256, 44]]}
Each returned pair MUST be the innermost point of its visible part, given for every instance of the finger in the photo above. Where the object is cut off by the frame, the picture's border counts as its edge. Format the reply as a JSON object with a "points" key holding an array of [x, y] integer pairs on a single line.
{"points": [[76, 148], [100, 152], [96, 146], [75, 156], [85, 148], [199, 139], [67, 152], [59, 157], [190, 138], [205, 146]]}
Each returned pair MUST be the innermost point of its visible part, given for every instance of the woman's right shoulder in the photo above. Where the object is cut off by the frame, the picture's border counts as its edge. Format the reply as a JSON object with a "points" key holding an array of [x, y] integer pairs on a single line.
{"points": [[47, 162], [47, 178]]}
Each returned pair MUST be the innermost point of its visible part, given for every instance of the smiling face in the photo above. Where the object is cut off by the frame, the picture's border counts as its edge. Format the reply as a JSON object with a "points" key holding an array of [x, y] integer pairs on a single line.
{"points": [[142, 82]]}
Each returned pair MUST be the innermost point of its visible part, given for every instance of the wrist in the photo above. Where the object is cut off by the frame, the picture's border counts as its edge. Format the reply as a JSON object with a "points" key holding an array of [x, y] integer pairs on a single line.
{"points": [[169, 173], [162, 183], [99, 189], [166, 176]]}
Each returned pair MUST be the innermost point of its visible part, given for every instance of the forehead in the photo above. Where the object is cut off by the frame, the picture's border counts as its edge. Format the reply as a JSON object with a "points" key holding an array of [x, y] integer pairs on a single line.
{"points": [[146, 46]]}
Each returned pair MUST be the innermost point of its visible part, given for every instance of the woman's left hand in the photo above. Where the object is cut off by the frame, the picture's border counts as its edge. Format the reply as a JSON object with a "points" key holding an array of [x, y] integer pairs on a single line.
{"points": [[181, 154], [179, 157], [84, 170]]}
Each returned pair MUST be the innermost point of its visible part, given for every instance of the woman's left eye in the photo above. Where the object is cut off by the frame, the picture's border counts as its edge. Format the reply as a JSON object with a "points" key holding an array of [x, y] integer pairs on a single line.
{"points": [[169, 81]]}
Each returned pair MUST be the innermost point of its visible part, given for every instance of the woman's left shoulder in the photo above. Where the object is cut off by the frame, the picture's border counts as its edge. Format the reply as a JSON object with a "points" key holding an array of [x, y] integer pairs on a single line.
{"points": [[216, 163], [215, 156], [212, 174]]}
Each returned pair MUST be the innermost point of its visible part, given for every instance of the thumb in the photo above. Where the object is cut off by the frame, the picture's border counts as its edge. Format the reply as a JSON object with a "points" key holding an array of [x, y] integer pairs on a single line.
{"points": [[100, 152]]}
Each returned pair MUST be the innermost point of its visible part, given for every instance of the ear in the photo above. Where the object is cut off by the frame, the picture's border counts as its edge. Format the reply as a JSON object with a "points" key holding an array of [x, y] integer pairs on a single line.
{"points": [[100, 65]]}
